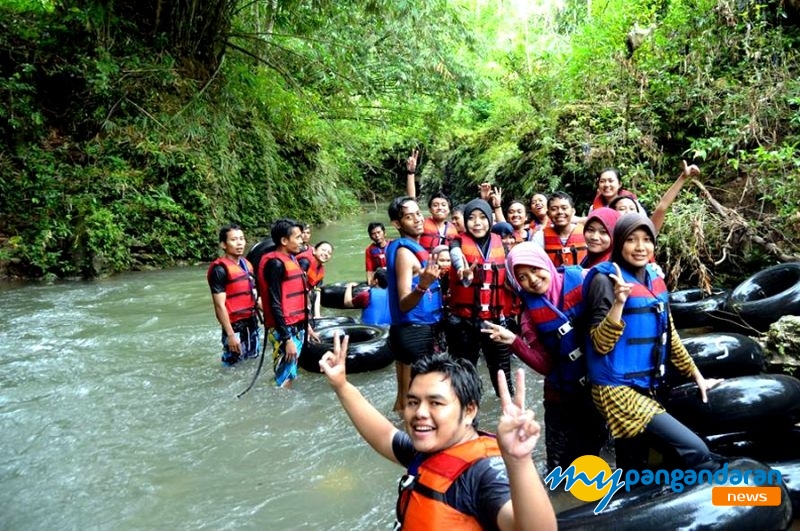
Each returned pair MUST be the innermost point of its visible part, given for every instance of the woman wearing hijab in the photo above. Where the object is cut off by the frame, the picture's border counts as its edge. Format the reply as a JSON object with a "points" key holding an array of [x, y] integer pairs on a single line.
{"points": [[478, 292], [597, 232], [551, 343], [631, 339]]}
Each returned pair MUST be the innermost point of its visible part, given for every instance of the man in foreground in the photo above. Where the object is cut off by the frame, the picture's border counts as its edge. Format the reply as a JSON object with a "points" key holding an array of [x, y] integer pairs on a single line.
{"points": [[496, 486]]}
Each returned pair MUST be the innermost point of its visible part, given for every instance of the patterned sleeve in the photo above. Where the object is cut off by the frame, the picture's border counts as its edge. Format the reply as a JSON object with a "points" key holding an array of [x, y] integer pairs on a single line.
{"points": [[679, 356]]}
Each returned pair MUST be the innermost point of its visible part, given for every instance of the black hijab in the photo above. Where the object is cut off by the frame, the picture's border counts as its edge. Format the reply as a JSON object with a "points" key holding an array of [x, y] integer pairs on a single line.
{"points": [[624, 228]]}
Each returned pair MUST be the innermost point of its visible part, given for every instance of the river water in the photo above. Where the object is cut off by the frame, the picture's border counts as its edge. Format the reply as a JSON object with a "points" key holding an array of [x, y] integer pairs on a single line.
{"points": [[115, 413]]}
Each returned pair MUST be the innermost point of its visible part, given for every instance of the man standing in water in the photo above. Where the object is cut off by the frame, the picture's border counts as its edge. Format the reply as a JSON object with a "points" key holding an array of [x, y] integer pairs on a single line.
{"points": [[457, 476], [437, 229], [415, 299], [230, 278], [284, 292]]}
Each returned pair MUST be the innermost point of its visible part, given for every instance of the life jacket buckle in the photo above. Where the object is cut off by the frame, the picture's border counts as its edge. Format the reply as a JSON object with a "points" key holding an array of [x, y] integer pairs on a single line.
{"points": [[564, 329], [487, 266], [582, 380], [566, 250], [660, 307], [575, 354], [484, 307], [486, 286]]}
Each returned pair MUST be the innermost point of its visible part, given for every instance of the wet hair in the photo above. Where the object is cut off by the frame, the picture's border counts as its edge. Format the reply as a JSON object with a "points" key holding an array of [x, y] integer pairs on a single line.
{"points": [[560, 195], [375, 225], [612, 170], [382, 277], [396, 207], [223, 232], [462, 374], [439, 195], [323, 242], [283, 229]]}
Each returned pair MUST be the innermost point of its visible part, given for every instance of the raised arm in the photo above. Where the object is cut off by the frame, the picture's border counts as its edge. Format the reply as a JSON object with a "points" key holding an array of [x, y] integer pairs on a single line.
{"points": [[411, 171], [376, 429], [517, 435], [660, 213]]}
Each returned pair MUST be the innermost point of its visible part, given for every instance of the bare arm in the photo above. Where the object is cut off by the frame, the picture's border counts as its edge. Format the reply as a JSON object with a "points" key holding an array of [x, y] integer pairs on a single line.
{"points": [[405, 267], [222, 316], [660, 213], [411, 170], [517, 435], [348, 295], [376, 429]]}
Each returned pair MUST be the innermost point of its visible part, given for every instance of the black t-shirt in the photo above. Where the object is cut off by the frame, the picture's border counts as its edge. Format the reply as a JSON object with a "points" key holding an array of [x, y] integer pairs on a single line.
{"points": [[481, 491], [218, 279]]}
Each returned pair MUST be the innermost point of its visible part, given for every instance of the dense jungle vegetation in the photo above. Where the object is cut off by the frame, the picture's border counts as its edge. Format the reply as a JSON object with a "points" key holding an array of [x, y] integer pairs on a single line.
{"points": [[132, 129]]}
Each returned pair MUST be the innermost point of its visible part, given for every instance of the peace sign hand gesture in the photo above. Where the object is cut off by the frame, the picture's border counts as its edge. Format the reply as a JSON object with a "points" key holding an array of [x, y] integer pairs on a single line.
{"points": [[411, 162], [517, 430], [333, 363], [621, 288]]}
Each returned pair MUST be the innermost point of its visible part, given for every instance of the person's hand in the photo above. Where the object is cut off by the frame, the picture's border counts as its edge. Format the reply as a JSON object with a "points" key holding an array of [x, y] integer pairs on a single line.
{"points": [[689, 171], [517, 429], [484, 191], [466, 274], [291, 351], [496, 197], [234, 344], [621, 288], [431, 272], [411, 161], [704, 384], [332, 364], [312, 335], [497, 333]]}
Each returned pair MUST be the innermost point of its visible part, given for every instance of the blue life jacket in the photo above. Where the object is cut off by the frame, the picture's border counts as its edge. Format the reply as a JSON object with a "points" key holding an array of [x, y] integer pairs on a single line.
{"points": [[561, 330], [377, 311], [639, 356], [429, 308]]}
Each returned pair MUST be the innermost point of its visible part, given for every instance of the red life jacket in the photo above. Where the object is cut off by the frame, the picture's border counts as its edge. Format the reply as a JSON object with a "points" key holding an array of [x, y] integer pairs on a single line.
{"points": [[485, 297], [431, 237], [239, 300], [293, 290], [375, 256], [422, 505], [572, 253]]}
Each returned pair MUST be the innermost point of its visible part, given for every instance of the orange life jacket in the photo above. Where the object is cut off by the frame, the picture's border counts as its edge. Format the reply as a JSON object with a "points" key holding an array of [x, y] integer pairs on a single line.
{"points": [[571, 253], [316, 270], [239, 300], [485, 297], [422, 506], [293, 290], [431, 237]]}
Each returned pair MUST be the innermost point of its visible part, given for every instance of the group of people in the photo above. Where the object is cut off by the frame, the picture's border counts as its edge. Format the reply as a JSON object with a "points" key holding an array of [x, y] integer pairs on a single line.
{"points": [[579, 300], [276, 283]]}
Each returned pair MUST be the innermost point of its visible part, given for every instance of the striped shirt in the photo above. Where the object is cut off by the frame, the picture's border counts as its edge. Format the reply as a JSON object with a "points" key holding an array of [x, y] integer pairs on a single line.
{"points": [[626, 410]]}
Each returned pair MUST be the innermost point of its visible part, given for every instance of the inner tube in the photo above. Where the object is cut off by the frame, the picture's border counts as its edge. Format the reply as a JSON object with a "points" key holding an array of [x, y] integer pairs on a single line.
{"points": [[368, 349], [655, 508], [694, 308], [721, 355], [765, 402], [333, 294], [258, 250], [326, 321], [766, 296], [781, 451]]}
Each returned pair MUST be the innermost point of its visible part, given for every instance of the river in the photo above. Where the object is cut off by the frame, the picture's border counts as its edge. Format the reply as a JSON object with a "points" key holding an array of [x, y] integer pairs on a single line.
{"points": [[116, 413]]}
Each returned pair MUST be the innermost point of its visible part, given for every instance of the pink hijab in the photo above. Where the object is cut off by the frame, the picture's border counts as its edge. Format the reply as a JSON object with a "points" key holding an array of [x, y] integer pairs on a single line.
{"points": [[532, 254], [608, 217]]}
